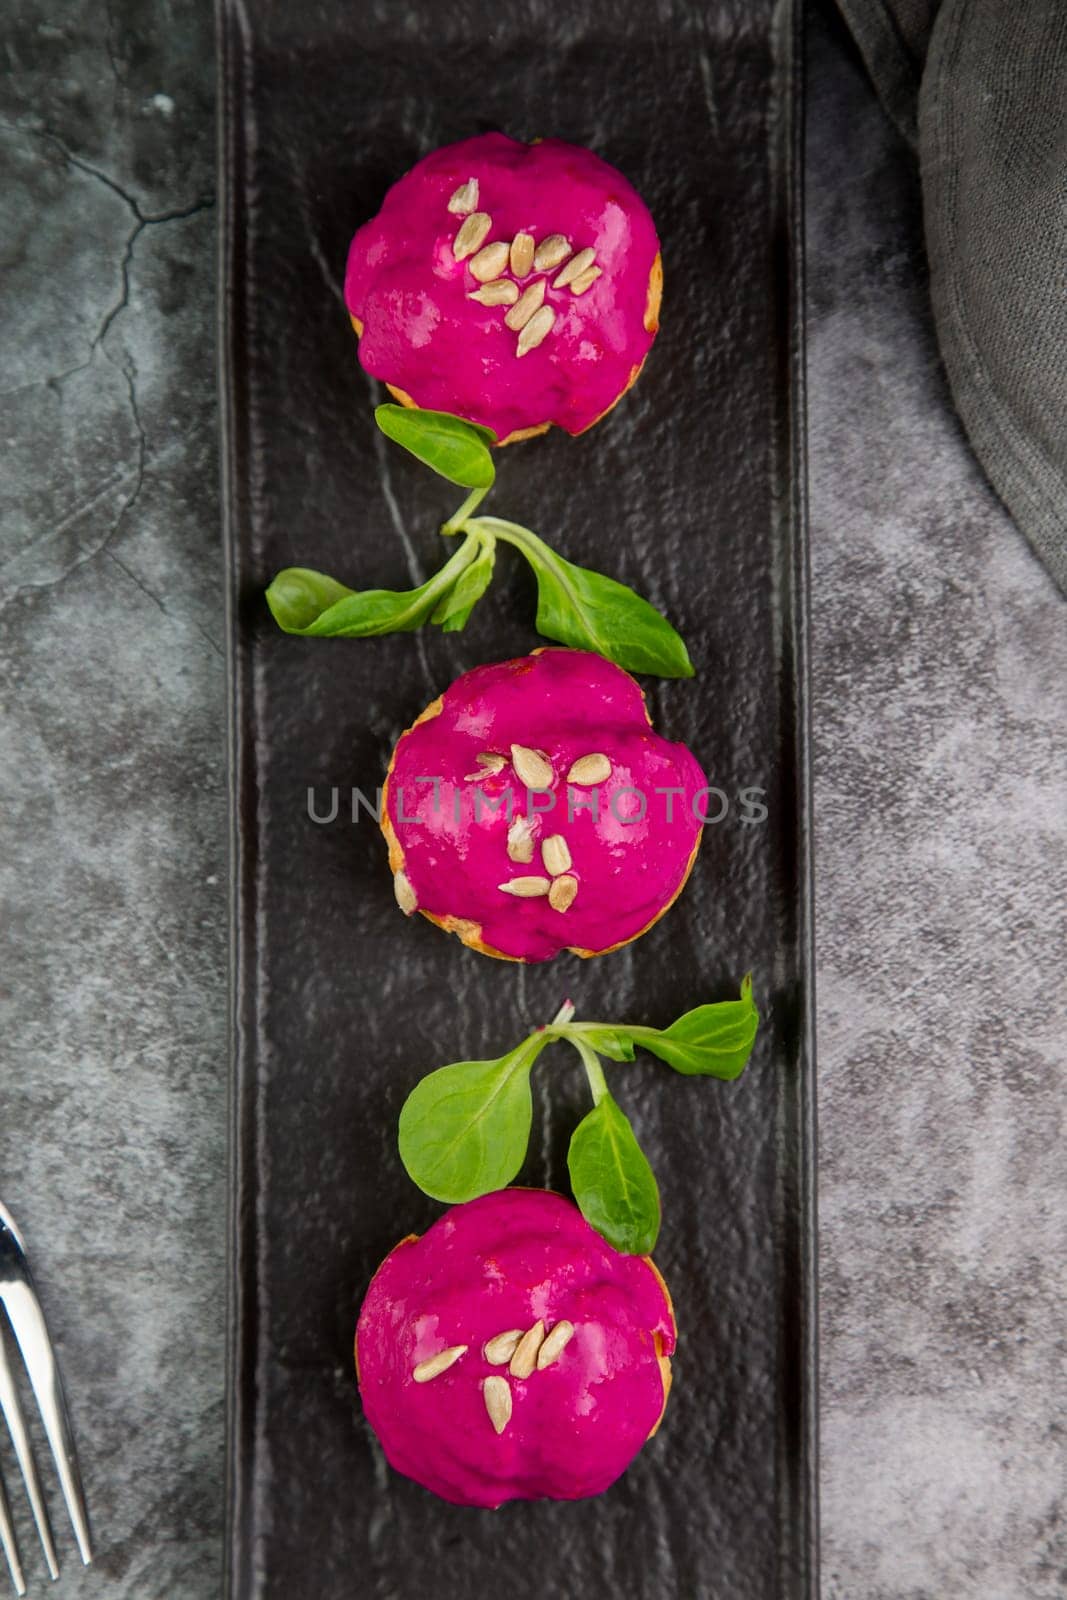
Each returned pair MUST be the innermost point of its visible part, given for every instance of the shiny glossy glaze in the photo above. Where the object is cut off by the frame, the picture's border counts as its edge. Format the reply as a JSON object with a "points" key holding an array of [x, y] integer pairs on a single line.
{"points": [[504, 1262], [631, 838], [425, 336]]}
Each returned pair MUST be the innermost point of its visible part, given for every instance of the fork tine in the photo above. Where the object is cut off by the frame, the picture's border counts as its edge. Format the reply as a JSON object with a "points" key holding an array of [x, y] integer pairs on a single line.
{"points": [[28, 1324], [7, 1539], [16, 1426]]}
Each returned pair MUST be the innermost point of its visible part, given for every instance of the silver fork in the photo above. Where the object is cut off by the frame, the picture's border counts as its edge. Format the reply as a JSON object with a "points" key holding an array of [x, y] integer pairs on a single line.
{"points": [[26, 1321]]}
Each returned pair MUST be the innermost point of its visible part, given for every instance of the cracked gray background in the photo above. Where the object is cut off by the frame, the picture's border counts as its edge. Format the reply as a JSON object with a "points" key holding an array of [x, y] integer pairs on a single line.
{"points": [[939, 658], [112, 768]]}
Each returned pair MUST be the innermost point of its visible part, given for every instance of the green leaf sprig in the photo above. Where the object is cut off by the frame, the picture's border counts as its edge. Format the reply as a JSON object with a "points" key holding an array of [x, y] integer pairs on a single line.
{"points": [[574, 605], [464, 1129]]}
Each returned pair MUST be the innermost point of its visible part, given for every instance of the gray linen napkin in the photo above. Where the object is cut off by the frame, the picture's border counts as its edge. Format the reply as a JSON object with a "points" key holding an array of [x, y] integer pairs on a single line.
{"points": [[979, 88]]}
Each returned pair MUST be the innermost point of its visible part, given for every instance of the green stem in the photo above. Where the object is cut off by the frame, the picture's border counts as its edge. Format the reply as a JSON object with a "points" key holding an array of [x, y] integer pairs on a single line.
{"points": [[631, 1030], [560, 1028], [523, 539], [457, 522], [531, 1047], [593, 1070], [525, 1054], [443, 579]]}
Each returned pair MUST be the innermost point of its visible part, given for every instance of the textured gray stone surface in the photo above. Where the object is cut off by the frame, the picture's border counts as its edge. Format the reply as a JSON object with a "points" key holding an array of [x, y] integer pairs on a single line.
{"points": [[939, 660], [112, 769], [941, 789]]}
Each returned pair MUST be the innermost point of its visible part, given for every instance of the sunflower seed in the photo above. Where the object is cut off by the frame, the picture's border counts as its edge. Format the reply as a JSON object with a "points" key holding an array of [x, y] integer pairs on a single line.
{"points": [[531, 300], [501, 292], [550, 252], [531, 767], [555, 1344], [465, 198], [489, 764], [525, 888], [497, 1395], [555, 855], [471, 235], [490, 262], [585, 280], [522, 254], [524, 1360], [574, 268], [500, 1350], [590, 769], [537, 329], [405, 894], [562, 893], [438, 1363], [520, 841]]}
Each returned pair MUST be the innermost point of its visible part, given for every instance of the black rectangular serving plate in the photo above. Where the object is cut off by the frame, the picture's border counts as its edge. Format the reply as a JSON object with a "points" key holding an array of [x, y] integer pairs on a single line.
{"points": [[692, 491]]}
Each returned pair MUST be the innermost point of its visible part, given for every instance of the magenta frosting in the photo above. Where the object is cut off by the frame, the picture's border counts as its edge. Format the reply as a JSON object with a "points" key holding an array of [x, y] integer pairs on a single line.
{"points": [[423, 334], [566, 704], [502, 1262]]}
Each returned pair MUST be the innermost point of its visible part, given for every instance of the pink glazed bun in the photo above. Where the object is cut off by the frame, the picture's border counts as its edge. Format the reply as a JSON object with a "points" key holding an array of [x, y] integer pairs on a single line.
{"points": [[516, 285], [532, 809], [512, 1354]]}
